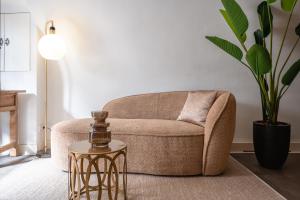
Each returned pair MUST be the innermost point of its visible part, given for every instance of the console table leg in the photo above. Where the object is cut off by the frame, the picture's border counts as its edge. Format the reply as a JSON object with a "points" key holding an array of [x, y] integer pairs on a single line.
{"points": [[13, 124]]}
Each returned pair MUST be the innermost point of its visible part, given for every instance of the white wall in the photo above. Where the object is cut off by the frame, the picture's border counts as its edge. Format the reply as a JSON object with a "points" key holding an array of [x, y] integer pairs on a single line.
{"points": [[28, 112], [124, 47]]}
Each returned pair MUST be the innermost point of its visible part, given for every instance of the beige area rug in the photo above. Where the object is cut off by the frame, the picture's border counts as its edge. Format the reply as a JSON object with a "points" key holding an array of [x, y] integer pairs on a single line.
{"points": [[40, 180]]}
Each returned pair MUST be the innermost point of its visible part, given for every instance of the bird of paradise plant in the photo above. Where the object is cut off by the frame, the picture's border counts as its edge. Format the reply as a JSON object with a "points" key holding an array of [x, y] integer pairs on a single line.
{"points": [[273, 79]]}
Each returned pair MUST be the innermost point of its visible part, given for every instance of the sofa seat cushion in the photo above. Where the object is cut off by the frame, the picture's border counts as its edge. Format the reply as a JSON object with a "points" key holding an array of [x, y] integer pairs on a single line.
{"points": [[153, 127], [74, 126], [160, 147]]}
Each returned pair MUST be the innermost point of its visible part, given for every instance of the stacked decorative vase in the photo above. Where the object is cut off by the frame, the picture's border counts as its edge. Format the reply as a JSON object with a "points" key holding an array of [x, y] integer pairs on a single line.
{"points": [[99, 135]]}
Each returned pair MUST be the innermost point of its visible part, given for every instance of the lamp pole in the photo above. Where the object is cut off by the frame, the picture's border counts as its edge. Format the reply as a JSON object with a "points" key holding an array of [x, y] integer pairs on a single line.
{"points": [[49, 29], [50, 49], [46, 107]]}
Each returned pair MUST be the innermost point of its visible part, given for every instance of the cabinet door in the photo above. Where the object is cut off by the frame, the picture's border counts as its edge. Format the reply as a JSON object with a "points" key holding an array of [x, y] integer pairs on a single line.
{"points": [[17, 42], [2, 43]]}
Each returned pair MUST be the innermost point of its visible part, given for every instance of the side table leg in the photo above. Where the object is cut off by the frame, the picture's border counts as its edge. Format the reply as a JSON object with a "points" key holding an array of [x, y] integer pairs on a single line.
{"points": [[125, 174], [74, 178], [69, 171], [95, 162], [111, 170], [86, 180]]}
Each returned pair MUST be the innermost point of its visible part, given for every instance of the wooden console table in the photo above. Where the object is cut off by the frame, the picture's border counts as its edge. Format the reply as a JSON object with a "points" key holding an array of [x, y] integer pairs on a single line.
{"points": [[9, 103]]}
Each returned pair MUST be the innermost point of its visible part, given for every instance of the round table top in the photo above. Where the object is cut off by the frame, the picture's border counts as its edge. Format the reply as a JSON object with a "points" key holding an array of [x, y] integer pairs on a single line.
{"points": [[84, 147]]}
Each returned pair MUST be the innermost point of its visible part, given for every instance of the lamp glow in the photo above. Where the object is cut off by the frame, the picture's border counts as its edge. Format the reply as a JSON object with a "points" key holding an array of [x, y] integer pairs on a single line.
{"points": [[52, 47]]}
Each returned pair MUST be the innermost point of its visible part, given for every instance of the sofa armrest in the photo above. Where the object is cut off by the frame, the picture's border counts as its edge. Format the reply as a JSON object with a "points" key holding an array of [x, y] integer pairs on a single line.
{"points": [[218, 134]]}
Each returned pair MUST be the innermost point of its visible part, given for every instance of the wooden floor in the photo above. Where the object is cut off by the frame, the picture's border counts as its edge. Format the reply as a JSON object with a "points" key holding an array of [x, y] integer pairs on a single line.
{"points": [[286, 181]]}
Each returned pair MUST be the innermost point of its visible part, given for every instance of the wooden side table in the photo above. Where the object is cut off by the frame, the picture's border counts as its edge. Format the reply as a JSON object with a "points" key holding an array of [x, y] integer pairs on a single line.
{"points": [[9, 103], [83, 158]]}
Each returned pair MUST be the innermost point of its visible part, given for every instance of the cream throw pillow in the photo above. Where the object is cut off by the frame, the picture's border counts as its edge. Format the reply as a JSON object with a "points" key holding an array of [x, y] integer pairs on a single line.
{"points": [[196, 107]]}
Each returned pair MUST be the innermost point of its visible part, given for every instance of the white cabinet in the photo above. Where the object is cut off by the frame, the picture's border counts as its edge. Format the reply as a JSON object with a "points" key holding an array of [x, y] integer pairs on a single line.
{"points": [[2, 43], [15, 42]]}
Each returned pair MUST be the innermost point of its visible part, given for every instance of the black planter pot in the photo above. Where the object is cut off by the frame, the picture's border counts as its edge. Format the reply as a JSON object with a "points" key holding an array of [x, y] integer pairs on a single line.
{"points": [[271, 143]]}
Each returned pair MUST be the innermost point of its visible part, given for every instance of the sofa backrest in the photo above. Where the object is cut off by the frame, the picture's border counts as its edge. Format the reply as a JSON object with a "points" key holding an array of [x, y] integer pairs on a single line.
{"points": [[163, 105]]}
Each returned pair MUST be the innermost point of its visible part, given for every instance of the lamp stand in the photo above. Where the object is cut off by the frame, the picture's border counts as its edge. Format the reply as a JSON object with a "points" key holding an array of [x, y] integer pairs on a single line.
{"points": [[46, 107], [49, 50], [45, 153]]}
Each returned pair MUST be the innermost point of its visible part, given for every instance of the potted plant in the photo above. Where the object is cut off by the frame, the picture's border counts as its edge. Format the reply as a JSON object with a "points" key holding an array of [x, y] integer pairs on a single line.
{"points": [[271, 137]]}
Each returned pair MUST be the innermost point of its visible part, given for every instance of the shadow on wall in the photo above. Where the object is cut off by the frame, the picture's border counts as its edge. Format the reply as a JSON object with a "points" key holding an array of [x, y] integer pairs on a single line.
{"points": [[59, 92], [291, 116], [244, 113], [280, 22], [27, 123], [4, 128]]}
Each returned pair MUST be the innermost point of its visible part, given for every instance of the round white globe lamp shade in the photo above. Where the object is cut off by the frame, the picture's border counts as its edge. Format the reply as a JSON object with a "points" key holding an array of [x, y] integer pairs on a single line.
{"points": [[52, 47]]}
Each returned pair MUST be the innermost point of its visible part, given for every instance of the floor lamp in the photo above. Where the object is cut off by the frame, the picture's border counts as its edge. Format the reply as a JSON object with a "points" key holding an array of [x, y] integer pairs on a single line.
{"points": [[51, 47]]}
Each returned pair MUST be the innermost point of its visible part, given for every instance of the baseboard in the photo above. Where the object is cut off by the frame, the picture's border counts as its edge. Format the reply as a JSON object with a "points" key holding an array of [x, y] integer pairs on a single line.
{"points": [[247, 147], [237, 147]]}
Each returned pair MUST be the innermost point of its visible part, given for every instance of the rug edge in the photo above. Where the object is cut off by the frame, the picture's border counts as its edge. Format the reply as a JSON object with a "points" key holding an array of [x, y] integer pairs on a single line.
{"points": [[260, 179]]}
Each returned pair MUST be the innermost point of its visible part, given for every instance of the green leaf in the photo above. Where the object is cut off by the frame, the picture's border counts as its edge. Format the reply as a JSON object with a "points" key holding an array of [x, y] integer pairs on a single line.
{"points": [[259, 59], [236, 15], [266, 20], [297, 30], [288, 5], [271, 1], [239, 37], [227, 46], [291, 73], [258, 35]]}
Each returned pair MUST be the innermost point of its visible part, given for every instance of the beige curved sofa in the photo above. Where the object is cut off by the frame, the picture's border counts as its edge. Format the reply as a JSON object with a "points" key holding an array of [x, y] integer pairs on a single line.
{"points": [[157, 143]]}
